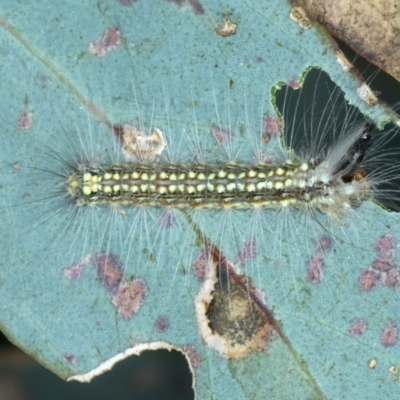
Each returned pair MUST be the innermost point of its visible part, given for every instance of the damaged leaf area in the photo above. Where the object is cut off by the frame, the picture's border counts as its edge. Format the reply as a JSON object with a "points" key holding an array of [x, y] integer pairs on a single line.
{"points": [[232, 315]]}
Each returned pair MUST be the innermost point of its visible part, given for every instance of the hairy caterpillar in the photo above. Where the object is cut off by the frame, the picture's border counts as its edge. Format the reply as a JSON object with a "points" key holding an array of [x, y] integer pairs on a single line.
{"points": [[332, 179]]}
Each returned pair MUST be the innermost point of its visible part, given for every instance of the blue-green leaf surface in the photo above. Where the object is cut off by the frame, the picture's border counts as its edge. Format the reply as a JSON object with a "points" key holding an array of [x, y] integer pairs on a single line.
{"points": [[174, 72]]}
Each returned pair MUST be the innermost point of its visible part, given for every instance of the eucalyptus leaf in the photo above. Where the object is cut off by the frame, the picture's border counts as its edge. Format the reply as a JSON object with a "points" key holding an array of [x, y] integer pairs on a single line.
{"points": [[172, 69]]}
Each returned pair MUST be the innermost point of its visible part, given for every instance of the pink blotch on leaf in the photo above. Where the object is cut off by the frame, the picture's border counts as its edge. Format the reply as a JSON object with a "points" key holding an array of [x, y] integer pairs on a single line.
{"points": [[194, 355], [109, 270], [315, 268], [386, 246], [167, 219], [358, 328], [383, 269], [202, 266], [263, 157], [381, 265], [273, 125], [75, 271], [127, 2], [389, 335], [325, 243], [293, 82], [70, 358], [25, 120], [248, 251], [110, 40], [222, 135], [392, 278], [129, 297], [368, 280], [261, 297], [196, 5], [162, 323]]}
